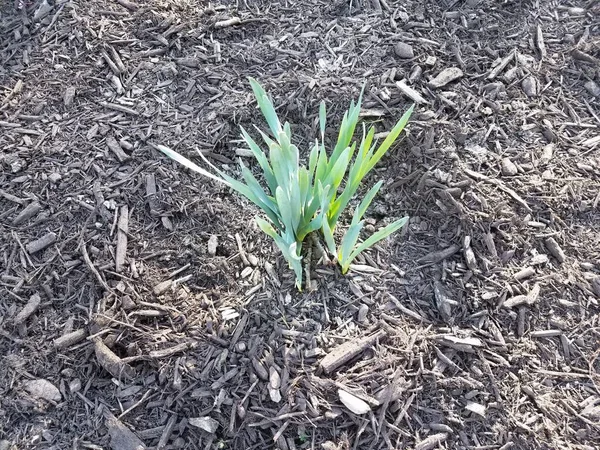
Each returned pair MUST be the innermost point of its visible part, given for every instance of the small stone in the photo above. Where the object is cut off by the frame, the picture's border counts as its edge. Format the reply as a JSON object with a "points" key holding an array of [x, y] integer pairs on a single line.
{"points": [[547, 153], [404, 50], [75, 385], [530, 86], [539, 259], [430, 61], [69, 95], [205, 423], [162, 287], [127, 303], [240, 347], [446, 76], [363, 310], [54, 177], [508, 167], [212, 245], [274, 385], [593, 88], [43, 389]]}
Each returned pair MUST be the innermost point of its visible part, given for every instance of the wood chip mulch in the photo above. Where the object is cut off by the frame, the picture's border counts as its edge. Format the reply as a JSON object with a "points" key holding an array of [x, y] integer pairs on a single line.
{"points": [[141, 307]]}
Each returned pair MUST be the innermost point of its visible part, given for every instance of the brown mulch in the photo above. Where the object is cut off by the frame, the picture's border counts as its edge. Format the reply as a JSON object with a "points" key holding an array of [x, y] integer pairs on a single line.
{"points": [[141, 307]]}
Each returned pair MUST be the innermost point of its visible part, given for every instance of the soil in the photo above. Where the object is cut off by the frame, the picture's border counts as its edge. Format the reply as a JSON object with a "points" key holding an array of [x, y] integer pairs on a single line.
{"points": [[477, 327]]}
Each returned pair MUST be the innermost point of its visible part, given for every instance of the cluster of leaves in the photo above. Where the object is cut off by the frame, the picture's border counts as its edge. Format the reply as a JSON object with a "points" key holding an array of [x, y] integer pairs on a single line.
{"points": [[303, 199]]}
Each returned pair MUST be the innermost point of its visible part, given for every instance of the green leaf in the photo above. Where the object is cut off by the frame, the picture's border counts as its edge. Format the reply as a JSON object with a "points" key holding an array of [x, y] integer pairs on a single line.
{"points": [[266, 106], [338, 170], [280, 166], [366, 201], [288, 248], [262, 160], [374, 239], [322, 165], [322, 119], [317, 221], [389, 140], [347, 127], [247, 192], [257, 189], [354, 178], [285, 209], [349, 242], [329, 239]]}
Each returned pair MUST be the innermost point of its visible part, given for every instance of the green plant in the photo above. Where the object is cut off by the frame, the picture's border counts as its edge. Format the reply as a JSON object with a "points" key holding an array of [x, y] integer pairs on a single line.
{"points": [[301, 200]]}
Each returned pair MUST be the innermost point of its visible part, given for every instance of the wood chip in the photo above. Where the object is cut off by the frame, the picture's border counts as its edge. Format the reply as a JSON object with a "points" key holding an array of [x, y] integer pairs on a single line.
{"points": [[228, 23], [501, 66], [530, 86], [205, 423], [445, 76], [111, 362], [476, 408], [70, 339], [121, 437], [555, 249], [528, 299], [410, 92], [526, 272], [69, 96], [348, 350], [468, 344], [41, 243], [114, 146], [431, 442], [122, 230], [354, 404], [127, 4], [30, 307], [440, 255], [28, 212]]}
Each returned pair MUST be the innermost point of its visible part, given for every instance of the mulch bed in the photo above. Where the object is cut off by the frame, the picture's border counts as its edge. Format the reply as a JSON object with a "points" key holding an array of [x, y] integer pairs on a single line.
{"points": [[141, 307]]}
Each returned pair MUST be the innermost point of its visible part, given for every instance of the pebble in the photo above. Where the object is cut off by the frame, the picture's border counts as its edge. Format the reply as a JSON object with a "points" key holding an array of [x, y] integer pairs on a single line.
{"points": [[508, 167], [75, 385], [69, 96], [363, 310], [212, 245], [547, 152], [529, 86], [252, 259], [54, 177], [430, 61], [446, 76], [43, 389], [404, 50], [593, 88]]}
